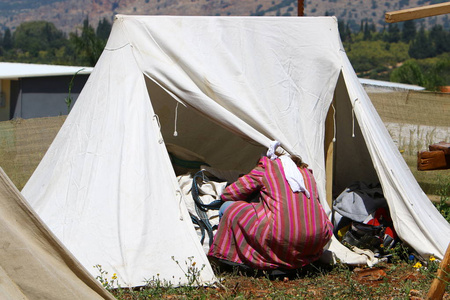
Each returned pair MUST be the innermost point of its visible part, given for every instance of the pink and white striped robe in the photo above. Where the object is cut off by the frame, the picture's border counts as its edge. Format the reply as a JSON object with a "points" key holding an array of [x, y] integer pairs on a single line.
{"points": [[284, 230]]}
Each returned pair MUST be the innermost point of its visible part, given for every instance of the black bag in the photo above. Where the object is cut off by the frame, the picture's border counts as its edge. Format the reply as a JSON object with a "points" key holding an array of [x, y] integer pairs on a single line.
{"points": [[365, 236]]}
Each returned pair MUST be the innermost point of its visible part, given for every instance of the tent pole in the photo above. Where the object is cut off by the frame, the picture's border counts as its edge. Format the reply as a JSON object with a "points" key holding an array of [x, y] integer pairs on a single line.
{"points": [[300, 8]]}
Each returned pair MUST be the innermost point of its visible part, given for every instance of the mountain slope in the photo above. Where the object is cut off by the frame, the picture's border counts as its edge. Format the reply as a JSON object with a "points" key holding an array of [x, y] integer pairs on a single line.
{"points": [[67, 15]]}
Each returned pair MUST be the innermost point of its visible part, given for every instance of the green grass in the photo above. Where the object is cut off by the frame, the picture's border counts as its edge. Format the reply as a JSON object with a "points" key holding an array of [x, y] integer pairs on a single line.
{"points": [[434, 182], [443, 191], [398, 281]]}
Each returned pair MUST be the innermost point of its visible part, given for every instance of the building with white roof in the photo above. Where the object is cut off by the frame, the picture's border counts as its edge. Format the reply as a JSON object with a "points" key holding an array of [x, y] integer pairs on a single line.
{"points": [[379, 86], [37, 90]]}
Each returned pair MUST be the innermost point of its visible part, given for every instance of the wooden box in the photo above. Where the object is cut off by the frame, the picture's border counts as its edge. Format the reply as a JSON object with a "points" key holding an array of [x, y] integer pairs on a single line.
{"points": [[431, 160]]}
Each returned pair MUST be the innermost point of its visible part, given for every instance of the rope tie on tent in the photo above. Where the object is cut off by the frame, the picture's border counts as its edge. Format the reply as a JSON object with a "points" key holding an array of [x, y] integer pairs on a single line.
{"points": [[334, 121], [179, 204], [175, 133], [155, 117], [353, 117], [353, 122]]}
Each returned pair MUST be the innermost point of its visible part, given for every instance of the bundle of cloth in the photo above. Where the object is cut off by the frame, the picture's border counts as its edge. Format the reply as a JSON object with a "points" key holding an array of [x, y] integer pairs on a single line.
{"points": [[210, 183], [361, 218]]}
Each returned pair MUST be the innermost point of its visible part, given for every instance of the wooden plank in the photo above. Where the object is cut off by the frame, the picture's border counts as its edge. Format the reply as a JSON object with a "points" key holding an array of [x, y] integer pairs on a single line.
{"points": [[417, 12], [438, 285]]}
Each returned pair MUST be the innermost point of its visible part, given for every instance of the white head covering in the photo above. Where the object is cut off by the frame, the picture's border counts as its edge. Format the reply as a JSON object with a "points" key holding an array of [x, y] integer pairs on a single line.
{"points": [[272, 148], [291, 172]]}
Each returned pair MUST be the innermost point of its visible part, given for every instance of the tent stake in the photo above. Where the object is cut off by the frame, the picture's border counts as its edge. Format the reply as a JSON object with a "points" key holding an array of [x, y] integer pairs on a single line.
{"points": [[438, 285]]}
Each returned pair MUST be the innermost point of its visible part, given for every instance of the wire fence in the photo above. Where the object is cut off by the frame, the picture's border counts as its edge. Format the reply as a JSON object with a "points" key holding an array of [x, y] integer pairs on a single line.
{"points": [[23, 143], [414, 120]]}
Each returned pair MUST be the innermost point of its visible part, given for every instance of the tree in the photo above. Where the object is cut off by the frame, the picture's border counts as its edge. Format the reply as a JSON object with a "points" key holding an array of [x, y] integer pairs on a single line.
{"points": [[440, 39], [393, 34], [348, 33], [410, 73], [369, 55], [367, 34], [438, 74], [409, 31], [103, 29], [421, 46], [36, 36], [344, 31], [430, 73], [7, 40], [87, 46], [341, 27]]}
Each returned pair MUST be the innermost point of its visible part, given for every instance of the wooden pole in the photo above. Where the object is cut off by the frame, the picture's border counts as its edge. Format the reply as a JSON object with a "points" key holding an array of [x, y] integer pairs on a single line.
{"points": [[417, 12], [438, 285], [329, 153], [300, 8]]}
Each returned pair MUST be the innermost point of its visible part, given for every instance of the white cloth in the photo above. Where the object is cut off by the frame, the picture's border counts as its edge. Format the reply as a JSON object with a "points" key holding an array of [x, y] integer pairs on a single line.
{"points": [[272, 148], [291, 172], [208, 192], [293, 175]]}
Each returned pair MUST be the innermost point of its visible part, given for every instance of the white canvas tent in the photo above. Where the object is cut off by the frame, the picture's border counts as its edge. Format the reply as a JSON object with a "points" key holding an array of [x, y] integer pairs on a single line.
{"points": [[106, 186], [33, 263]]}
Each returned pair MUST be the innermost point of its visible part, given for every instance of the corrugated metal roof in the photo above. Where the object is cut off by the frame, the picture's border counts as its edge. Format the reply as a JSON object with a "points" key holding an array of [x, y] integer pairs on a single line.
{"points": [[20, 70]]}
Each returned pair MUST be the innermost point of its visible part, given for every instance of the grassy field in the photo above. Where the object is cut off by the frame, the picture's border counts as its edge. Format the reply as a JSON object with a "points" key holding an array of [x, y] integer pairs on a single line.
{"points": [[416, 120], [434, 183], [398, 280], [23, 143]]}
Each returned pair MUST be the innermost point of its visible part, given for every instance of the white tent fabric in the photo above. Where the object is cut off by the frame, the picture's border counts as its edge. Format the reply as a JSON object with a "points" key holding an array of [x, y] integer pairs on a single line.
{"points": [[33, 263], [415, 218], [106, 186]]}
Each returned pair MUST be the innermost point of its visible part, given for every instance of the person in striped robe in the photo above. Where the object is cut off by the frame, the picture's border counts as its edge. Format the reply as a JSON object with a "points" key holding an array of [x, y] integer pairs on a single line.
{"points": [[284, 230]]}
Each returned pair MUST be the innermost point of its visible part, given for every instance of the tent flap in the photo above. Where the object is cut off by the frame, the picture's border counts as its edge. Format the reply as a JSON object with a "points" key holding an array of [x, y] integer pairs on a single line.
{"points": [[34, 264]]}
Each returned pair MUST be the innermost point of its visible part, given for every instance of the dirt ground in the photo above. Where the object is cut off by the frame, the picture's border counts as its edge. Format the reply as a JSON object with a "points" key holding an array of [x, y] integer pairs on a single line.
{"points": [[384, 281]]}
